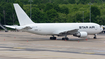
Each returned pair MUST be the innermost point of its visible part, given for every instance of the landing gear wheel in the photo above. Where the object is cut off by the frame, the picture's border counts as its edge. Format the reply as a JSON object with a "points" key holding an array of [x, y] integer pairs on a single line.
{"points": [[65, 39], [95, 36], [52, 38]]}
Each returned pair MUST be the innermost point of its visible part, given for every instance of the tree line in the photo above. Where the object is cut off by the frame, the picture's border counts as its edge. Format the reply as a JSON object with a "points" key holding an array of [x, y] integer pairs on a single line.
{"points": [[54, 11], [55, 1]]}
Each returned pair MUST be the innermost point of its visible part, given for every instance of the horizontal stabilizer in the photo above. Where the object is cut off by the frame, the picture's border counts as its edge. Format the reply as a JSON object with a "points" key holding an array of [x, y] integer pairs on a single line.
{"points": [[18, 27], [13, 27]]}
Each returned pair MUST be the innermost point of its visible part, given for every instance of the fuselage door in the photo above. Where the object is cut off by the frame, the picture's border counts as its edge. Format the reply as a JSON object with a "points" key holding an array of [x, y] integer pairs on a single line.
{"points": [[96, 27]]}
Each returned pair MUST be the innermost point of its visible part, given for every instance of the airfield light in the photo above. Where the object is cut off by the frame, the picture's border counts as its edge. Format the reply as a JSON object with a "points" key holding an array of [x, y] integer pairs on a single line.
{"points": [[30, 6], [90, 10], [83, 16]]}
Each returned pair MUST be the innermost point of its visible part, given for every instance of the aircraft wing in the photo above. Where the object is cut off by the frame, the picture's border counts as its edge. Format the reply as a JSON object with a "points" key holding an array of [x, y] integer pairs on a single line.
{"points": [[69, 31]]}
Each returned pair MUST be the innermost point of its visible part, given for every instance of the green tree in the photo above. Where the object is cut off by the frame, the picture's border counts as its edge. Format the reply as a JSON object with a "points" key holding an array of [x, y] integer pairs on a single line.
{"points": [[101, 20], [7, 13], [79, 17], [52, 14], [56, 7], [84, 1], [72, 1], [48, 6], [38, 16], [1, 17], [20, 3], [65, 10], [52, 6], [41, 6], [95, 12]]}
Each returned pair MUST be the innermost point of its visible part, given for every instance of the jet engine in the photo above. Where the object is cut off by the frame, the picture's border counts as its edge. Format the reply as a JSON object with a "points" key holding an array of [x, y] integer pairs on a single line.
{"points": [[81, 34]]}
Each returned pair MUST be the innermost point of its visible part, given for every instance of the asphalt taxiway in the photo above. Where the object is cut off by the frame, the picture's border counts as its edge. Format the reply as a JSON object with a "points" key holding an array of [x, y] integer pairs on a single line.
{"points": [[23, 45]]}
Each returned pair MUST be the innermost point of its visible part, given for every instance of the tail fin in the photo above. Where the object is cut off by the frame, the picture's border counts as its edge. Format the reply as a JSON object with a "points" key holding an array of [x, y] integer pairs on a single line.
{"points": [[22, 16]]}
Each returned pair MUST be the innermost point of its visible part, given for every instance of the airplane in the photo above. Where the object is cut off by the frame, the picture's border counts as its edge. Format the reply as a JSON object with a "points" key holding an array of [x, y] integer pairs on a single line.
{"points": [[81, 30]]}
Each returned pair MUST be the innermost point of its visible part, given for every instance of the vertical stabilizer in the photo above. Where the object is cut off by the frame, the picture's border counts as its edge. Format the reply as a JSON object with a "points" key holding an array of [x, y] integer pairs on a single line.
{"points": [[22, 16]]}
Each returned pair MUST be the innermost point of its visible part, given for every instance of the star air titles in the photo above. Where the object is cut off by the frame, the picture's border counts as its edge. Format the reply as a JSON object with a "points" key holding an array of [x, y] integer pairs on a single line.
{"points": [[86, 27]]}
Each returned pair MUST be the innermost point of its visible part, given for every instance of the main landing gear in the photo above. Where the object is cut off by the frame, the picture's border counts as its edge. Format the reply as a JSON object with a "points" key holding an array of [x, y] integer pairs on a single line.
{"points": [[66, 38], [53, 38], [95, 36]]}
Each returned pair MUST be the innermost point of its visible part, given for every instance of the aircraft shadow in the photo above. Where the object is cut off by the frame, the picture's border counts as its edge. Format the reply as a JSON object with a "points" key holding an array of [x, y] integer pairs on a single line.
{"points": [[59, 39]]}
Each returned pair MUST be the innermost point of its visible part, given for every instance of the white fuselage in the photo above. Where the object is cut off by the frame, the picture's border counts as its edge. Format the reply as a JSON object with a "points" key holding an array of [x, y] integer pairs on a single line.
{"points": [[53, 28], [60, 29]]}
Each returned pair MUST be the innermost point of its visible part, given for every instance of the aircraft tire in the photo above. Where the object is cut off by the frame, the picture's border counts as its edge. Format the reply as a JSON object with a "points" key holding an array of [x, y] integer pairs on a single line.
{"points": [[95, 38], [65, 39], [52, 38]]}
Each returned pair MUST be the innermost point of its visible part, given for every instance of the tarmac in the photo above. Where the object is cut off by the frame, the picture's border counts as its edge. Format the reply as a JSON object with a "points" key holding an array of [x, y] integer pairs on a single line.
{"points": [[23, 45]]}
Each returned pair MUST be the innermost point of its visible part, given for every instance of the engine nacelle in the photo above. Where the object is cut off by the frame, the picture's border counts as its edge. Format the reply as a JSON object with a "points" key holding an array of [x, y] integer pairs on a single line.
{"points": [[81, 34]]}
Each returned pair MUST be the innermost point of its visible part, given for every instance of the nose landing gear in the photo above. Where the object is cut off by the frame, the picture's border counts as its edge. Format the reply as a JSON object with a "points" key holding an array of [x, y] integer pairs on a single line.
{"points": [[95, 36]]}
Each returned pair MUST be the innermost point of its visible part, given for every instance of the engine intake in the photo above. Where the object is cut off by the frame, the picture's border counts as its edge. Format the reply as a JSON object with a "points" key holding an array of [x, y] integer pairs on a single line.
{"points": [[81, 34]]}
